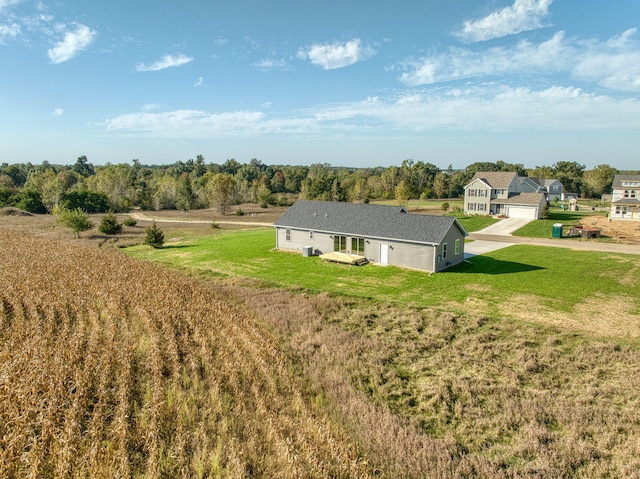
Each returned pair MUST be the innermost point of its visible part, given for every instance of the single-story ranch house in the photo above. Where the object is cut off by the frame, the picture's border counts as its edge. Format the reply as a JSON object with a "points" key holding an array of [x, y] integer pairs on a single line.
{"points": [[382, 234]]}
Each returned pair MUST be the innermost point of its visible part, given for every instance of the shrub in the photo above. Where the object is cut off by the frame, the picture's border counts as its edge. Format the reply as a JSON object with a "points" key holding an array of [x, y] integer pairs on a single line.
{"points": [[239, 212], [445, 206], [109, 224], [76, 220], [129, 221], [154, 236]]}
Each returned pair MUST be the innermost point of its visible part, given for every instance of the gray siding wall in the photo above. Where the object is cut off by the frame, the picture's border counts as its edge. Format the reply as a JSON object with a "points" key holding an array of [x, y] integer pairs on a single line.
{"points": [[406, 255]]}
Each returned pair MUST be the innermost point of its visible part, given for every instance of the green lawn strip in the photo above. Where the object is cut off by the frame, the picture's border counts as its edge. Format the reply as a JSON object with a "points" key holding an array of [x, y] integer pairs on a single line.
{"points": [[559, 278], [476, 223], [543, 228]]}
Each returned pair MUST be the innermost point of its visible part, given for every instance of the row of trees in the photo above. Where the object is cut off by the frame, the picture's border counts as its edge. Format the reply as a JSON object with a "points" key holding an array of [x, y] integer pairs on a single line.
{"points": [[196, 184]]}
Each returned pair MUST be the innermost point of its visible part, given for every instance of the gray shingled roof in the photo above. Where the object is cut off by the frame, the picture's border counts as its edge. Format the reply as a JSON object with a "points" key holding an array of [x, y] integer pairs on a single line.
{"points": [[371, 221], [618, 179], [525, 199]]}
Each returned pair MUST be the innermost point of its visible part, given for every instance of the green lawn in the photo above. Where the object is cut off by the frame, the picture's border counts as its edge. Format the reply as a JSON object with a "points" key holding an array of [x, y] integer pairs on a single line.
{"points": [[557, 278], [476, 223], [542, 228]]}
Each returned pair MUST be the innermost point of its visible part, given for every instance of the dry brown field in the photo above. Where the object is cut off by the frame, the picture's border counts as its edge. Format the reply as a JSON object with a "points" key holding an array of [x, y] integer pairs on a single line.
{"points": [[113, 367]]}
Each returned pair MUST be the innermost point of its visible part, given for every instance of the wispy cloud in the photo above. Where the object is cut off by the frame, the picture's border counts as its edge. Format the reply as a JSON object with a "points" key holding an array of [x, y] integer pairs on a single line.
{"points": [[9, 31], [57, 112], [199, 82], [522, 16], [269, 64], [185, 123], [167, 61], [7, 3], [73, 42], [336, 55], [484, 108], [614, 64]]}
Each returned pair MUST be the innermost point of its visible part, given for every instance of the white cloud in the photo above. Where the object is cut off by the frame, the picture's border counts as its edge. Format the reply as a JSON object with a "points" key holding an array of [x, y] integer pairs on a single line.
{"points": [[185, 123], [459, 63], [57, 112], [167, 61], [199, 82], [72, 44], [336, 55], [269, 64], [614, 64], [522, 16], [7, 3], [485, 108], [9, 31]]}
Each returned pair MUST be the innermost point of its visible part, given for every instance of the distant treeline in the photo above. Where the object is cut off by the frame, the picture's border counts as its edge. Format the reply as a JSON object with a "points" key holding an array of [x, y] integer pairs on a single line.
{"points": [[196, 184]]}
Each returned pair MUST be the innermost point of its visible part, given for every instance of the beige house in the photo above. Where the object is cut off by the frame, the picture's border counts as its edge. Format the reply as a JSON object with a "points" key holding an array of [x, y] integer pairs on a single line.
{"points": [[625, 200], [500, 193]]}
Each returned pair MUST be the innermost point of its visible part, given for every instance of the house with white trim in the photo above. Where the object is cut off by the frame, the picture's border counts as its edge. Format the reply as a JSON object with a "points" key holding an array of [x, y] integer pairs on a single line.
{"points": [[386, 235], [500, 193], [625, 199]]}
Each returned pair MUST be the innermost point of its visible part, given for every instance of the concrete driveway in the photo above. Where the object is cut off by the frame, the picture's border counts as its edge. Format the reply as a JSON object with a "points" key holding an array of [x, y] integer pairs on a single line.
{"points": [[474, 248], [504, 227]]}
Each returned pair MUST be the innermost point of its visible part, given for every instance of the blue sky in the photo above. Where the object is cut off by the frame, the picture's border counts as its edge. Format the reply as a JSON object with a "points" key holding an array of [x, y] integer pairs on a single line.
{"points": [[350, 83]]}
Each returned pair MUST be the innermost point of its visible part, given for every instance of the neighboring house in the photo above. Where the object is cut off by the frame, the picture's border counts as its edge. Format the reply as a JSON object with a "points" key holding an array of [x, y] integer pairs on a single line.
{"points": [[551, 188], [501, 193], [625, 200], [382, 234]]}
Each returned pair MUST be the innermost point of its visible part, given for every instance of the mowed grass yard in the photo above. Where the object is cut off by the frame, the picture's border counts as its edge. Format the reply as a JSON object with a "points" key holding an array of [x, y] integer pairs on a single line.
{"points": [[596, 292]]}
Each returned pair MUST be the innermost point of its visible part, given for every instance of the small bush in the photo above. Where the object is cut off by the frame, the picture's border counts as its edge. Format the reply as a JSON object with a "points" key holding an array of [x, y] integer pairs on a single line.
{"points": [[109, 225], [215, 225], [445, 206], [129, 221], [154, 236], [239, 212]]}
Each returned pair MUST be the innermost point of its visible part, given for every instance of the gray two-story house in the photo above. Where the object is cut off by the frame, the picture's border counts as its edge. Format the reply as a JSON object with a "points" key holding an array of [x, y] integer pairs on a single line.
{"points": [[501, 194], [387, 235], [552, 189]]}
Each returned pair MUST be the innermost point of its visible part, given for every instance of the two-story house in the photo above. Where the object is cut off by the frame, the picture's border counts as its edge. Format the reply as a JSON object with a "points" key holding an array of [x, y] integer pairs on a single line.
{"points": [[501, 193], [625, 200], [552, 189]]}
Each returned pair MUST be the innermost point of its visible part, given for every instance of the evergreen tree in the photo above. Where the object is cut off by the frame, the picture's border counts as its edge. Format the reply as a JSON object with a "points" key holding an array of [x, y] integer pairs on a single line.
{"points": [[109, 224], [154, 236]]}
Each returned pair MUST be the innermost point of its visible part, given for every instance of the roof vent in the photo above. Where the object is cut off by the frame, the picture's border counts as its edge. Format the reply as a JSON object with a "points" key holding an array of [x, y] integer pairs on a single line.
{"points": [[326, 215]]}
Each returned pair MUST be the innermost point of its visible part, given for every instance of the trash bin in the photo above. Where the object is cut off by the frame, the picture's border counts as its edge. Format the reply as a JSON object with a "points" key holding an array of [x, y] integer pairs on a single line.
{"points": [[556, 231]]}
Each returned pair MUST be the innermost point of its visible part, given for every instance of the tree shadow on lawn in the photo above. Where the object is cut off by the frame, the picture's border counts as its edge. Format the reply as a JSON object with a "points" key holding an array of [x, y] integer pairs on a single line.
{"points": [[486, 265]]}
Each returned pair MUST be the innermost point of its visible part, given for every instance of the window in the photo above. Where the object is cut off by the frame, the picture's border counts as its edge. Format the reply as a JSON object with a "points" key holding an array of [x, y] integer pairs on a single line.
{"points": [[482, 207], [457, 247], [482, 193], [340, 244], [471, 206], [627, 193], [287, 235], [472, 192], [444, 250], [357, 246]]}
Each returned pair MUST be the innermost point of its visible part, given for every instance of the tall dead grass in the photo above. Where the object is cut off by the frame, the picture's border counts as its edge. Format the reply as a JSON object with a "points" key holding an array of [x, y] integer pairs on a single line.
{"points": [[111, 367], [430, 394]]}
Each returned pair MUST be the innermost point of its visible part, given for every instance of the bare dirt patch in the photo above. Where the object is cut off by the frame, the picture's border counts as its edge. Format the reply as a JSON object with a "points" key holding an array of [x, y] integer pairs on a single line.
{"points": [[622, 231]]}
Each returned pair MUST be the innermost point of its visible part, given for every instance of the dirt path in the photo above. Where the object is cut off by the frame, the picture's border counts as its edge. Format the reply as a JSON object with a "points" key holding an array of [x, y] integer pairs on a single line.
{"points": [[144, 217]]}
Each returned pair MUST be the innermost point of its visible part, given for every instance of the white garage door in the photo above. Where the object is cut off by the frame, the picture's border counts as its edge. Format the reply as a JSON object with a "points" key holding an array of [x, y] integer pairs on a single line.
{"points": [[528, 212]]}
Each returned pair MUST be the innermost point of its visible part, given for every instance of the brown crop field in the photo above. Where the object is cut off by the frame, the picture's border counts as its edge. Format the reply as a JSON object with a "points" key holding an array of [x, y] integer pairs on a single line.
{"points": [[111, 367], [115, 367]]}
